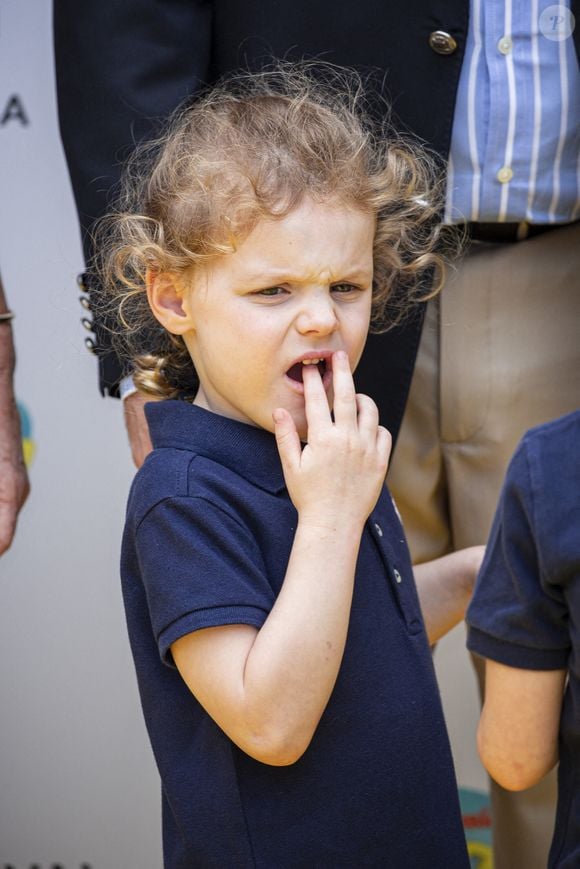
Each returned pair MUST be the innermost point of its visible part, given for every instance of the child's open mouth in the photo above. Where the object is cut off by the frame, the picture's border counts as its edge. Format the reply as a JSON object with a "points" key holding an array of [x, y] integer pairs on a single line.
{"points": [[295, 373]]}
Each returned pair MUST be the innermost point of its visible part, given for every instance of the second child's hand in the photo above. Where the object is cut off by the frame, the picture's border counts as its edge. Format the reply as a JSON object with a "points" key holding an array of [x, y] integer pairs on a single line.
{"points": [[339, 474]]}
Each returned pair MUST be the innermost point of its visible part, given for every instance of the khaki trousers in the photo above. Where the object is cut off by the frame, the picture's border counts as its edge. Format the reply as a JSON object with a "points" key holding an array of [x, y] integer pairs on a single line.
{"points": [[499, 353]]}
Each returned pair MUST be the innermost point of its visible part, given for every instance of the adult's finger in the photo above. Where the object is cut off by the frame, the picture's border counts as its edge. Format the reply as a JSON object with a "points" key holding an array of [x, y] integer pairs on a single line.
{"points": [[345, 404], [8, 516], [14, 489]]}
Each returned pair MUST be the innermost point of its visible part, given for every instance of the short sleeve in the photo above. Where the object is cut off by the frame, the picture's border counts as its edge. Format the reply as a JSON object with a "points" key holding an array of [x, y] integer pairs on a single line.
{"points": [[200, 568], [518, 615]]}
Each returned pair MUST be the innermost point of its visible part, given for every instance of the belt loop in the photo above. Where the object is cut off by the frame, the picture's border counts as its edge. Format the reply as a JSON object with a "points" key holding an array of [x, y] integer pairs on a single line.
{"points": [[523, 230]]}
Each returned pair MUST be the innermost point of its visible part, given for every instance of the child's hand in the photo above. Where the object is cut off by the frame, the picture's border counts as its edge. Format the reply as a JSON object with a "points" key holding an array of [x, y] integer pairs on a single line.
{"points": [[337, 477]]}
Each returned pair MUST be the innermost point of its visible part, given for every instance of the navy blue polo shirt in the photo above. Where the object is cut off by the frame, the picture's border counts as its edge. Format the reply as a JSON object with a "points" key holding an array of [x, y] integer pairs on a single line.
{"points": [[525, 611], [207, 540]]}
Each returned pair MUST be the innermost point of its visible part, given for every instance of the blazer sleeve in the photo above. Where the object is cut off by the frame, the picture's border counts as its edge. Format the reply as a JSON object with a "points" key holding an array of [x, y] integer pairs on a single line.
{"points": [[121, 67]]}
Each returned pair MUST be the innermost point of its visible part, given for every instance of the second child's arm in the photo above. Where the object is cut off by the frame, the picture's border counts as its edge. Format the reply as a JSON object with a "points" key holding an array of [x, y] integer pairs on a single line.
{"points": [[267, 689], [445, 586], [517, 736]]}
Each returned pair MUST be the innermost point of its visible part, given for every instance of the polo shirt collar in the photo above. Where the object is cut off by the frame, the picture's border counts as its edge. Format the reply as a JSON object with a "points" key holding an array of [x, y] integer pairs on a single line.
{"points": [[244, 449]]}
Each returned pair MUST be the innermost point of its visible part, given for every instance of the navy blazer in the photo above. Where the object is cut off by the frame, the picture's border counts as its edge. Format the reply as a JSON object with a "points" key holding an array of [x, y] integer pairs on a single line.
{"points": [[121, 66]]}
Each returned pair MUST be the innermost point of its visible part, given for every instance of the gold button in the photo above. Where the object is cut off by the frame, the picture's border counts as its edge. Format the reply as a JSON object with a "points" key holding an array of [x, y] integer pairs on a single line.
{"points": [[505, 45], [505, 174], [88, 324], [84, 300], [442, 42], [81, 281]]}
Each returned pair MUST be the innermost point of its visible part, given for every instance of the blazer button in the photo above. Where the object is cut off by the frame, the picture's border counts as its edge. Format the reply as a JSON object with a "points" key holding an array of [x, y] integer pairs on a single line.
{"points": [[442, 42], [90, 345]]}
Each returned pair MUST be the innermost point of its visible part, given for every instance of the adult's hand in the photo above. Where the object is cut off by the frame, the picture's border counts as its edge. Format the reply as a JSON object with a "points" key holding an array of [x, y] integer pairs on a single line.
{"points": [[136, 425], [14, 485]]}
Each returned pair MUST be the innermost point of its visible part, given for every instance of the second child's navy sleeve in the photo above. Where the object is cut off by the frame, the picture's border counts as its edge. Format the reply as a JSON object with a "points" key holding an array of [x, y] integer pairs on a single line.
{"points": [[200, 568], [518, 615]]}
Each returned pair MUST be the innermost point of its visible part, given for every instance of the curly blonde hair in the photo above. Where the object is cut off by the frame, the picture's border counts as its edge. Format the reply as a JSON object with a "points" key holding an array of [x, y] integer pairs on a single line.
{"points": [[250, 148]]}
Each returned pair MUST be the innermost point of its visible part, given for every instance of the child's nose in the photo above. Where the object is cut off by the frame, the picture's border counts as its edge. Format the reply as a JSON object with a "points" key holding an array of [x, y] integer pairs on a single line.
{"points": [[318, 316]]}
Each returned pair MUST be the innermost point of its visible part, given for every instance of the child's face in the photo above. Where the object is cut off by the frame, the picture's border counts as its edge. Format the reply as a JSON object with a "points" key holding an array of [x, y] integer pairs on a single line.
{"points": [[296, 288]]}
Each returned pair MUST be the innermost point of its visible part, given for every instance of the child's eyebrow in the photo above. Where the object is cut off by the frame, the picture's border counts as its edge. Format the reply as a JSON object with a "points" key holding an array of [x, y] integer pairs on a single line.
{"points": [[270, 277]]}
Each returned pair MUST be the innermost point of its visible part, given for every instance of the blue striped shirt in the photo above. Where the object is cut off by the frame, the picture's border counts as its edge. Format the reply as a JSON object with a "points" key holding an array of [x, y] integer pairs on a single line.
{"points": [[516, 134]]}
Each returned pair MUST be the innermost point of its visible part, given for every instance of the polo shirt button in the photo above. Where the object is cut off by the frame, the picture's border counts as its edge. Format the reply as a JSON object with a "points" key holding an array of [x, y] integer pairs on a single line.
{"points": [[378, 529], [442, 42], [398, 577], [505, 45], [505, 174]]}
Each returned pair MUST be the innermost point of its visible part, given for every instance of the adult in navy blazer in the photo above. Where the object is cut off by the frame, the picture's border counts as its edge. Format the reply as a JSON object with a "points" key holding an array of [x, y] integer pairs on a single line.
{"points": [[123, 66]]}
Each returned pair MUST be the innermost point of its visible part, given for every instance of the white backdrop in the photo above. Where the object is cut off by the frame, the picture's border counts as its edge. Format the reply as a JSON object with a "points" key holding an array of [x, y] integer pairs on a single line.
{"points": [[78, 788]]}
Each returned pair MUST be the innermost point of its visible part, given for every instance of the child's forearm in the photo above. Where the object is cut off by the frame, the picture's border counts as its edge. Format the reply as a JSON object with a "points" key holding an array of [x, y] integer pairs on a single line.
{"points": [[517, 737], [292, 667], [267, 689], [275, 683], [444, 587]]}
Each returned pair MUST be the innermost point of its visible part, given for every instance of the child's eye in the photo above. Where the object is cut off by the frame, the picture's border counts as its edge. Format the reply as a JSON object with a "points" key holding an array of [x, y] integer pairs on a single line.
{"points": [[269, 292], [344, 289]]}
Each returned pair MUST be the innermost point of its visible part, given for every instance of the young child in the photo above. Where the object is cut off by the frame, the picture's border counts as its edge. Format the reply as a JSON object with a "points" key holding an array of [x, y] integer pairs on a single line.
{"points": [[283, 664], [524, 619]]}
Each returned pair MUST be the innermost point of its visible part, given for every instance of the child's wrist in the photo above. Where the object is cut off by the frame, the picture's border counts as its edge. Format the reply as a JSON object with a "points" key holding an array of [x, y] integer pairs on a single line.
{"points": [[339, 523]]}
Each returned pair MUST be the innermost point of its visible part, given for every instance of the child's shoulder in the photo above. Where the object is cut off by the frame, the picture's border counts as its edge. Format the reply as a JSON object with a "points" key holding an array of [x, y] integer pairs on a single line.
{"points": [[551, 449], [558, 431], [163, 476], [179, 474], [544, 476], [201, 457]]}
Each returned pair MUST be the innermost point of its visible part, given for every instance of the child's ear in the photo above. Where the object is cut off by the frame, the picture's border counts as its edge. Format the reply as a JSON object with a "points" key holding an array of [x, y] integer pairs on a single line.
{"points": [[165, 295]]}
